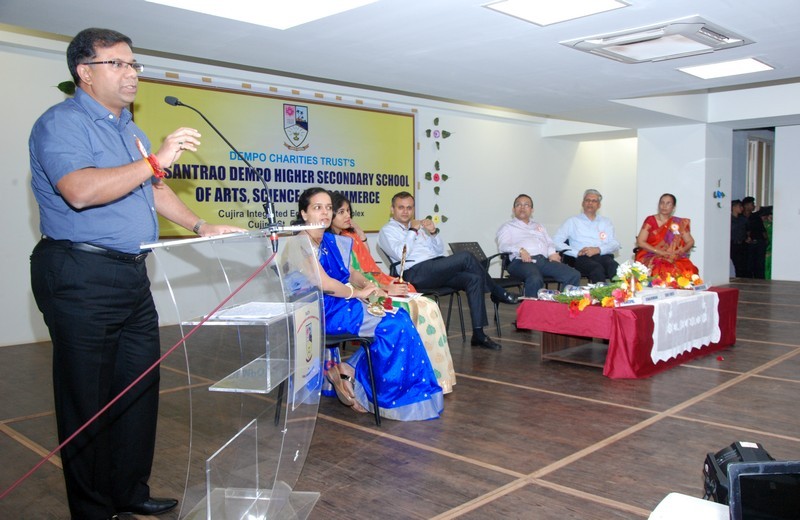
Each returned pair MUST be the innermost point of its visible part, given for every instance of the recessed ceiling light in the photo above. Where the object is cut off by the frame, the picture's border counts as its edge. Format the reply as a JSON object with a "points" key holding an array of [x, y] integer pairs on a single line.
{"points": [[278, 15], [546, 12], [726, 68]]}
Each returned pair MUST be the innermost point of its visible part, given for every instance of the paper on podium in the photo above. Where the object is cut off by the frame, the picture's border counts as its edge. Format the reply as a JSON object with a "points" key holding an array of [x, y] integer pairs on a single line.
{"points": [[253, 311], [411, 296]]}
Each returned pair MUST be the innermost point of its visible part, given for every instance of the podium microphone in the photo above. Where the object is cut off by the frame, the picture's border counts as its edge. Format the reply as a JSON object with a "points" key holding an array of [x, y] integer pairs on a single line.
{"points": [[269, 209]]}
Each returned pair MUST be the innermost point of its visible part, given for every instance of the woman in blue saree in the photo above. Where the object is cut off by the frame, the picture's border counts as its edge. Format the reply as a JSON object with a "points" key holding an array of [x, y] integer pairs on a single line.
{"points": [[407, 387]]}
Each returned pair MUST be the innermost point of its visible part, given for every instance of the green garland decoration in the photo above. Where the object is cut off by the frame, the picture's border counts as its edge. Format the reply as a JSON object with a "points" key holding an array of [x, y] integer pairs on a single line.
{"points": [[597, 293]]}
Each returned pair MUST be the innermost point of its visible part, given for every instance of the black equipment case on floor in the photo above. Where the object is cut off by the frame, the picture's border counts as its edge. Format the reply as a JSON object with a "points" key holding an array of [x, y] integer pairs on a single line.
{"points": [[715, 468]]}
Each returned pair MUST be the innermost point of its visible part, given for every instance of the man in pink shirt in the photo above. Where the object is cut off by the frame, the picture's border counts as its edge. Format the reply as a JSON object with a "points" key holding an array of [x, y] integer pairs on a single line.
{"points": [[533, 253]]}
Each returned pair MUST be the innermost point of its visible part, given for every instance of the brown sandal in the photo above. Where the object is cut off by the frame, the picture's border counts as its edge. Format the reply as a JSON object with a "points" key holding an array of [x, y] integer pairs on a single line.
{"points": [[337, 379], [350, 379]]}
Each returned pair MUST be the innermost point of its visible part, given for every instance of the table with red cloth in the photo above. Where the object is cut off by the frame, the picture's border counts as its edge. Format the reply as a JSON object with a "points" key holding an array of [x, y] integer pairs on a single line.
{"points": [[567, 336]]}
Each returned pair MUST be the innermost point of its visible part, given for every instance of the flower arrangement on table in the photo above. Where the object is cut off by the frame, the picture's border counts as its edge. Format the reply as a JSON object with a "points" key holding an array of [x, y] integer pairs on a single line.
{"points": [[631, 277], [683, 281], [607, 295]]}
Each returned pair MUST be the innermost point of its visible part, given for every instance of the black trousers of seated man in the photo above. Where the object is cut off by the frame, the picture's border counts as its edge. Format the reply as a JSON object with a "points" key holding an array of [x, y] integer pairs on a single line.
{"points": [[597, 268], [459, 271]]}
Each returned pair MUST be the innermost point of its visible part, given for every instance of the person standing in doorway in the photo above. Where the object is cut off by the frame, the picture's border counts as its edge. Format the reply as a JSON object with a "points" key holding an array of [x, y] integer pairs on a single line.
{"points": [[756, 239], [738, 237]]}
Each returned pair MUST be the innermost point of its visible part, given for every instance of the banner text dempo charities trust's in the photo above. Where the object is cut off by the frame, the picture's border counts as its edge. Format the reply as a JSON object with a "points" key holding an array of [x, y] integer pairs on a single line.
{"points": [[281, 158]]}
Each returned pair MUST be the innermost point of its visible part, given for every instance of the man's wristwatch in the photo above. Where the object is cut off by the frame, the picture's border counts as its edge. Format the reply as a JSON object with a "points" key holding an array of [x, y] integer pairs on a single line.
{"points": [[197, 226]]}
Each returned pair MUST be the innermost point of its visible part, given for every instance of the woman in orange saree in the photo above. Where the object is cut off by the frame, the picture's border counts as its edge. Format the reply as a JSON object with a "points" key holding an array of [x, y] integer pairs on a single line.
{"points": [[424, 312], [342, 224], [665, 241]]}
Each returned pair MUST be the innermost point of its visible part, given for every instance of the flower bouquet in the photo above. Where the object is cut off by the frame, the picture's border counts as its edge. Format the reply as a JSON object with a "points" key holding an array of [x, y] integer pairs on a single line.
{"points": [[686, 280], [378, 305], [630, 278], [633, 276]]}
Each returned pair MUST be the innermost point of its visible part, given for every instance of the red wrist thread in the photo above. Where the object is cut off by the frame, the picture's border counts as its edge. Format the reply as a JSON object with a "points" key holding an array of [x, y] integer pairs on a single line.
{"points": [[152, 160]]}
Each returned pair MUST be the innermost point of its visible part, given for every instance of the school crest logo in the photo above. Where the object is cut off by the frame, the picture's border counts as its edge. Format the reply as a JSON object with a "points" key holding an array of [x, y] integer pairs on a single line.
{"points": [[295, 126]]}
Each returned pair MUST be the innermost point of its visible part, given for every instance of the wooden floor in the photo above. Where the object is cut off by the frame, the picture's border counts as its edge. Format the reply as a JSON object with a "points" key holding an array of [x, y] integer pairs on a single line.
{"points": [[518, 438]]}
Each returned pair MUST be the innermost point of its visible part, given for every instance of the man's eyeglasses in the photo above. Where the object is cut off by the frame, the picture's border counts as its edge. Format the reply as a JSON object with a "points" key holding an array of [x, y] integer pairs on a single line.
{"points": [[523, 205], [119, 65], [592, 201]]}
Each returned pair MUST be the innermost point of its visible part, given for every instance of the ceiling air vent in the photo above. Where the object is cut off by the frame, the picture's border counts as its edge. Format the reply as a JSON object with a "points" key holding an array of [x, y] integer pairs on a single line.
{"points": [[663, 41]]}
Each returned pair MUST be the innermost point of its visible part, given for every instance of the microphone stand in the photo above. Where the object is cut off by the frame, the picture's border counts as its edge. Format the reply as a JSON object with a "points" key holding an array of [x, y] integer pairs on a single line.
{"points": [[269, 209]]}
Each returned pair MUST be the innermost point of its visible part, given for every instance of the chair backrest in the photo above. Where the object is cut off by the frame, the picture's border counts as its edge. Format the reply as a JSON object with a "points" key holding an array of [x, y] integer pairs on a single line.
{"points": [[505, 260], [471, 247], [392, 265]]}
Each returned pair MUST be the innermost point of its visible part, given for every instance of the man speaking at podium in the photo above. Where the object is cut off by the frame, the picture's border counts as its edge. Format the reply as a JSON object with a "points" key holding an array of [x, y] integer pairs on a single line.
{"points": [[99, 188]]}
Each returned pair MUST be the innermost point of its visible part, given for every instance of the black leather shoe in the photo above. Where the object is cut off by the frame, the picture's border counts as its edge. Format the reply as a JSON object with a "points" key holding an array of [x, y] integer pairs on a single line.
{"points": [[151, 506], [505, 298], [486, 342]]}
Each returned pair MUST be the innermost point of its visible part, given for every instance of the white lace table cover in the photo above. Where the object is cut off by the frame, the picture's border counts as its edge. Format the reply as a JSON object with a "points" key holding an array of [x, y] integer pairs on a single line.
{"points": [[684, 322]]}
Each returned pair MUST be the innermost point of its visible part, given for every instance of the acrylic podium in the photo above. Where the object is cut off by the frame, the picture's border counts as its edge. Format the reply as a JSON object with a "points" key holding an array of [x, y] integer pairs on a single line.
{"points": [[245, 381]]}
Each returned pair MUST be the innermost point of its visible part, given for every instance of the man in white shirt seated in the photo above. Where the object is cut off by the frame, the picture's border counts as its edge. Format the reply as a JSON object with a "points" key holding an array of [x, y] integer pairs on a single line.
{"points": [[532, 251], [589, 239], [427, 267]]}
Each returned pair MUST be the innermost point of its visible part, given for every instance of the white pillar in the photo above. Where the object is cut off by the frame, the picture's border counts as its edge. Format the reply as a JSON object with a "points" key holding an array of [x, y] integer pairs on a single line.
{"points": [[786, 208], [691, 162]]}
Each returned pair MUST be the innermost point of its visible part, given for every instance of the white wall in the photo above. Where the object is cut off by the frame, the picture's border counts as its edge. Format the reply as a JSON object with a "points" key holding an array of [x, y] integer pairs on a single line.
{"points": [[716, 220], [691, 162], [786, 210], [27, 90], [490, 162], [611, 168]]}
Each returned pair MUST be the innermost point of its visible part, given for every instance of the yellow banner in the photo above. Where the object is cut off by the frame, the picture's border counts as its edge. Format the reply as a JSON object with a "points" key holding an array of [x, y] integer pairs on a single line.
{"points": [[368, 155]]}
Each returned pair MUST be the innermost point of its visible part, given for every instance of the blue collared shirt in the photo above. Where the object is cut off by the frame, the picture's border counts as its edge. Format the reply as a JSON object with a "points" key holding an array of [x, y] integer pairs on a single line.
{"points": [[420, 246], [582, 232], [80, 133]]}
